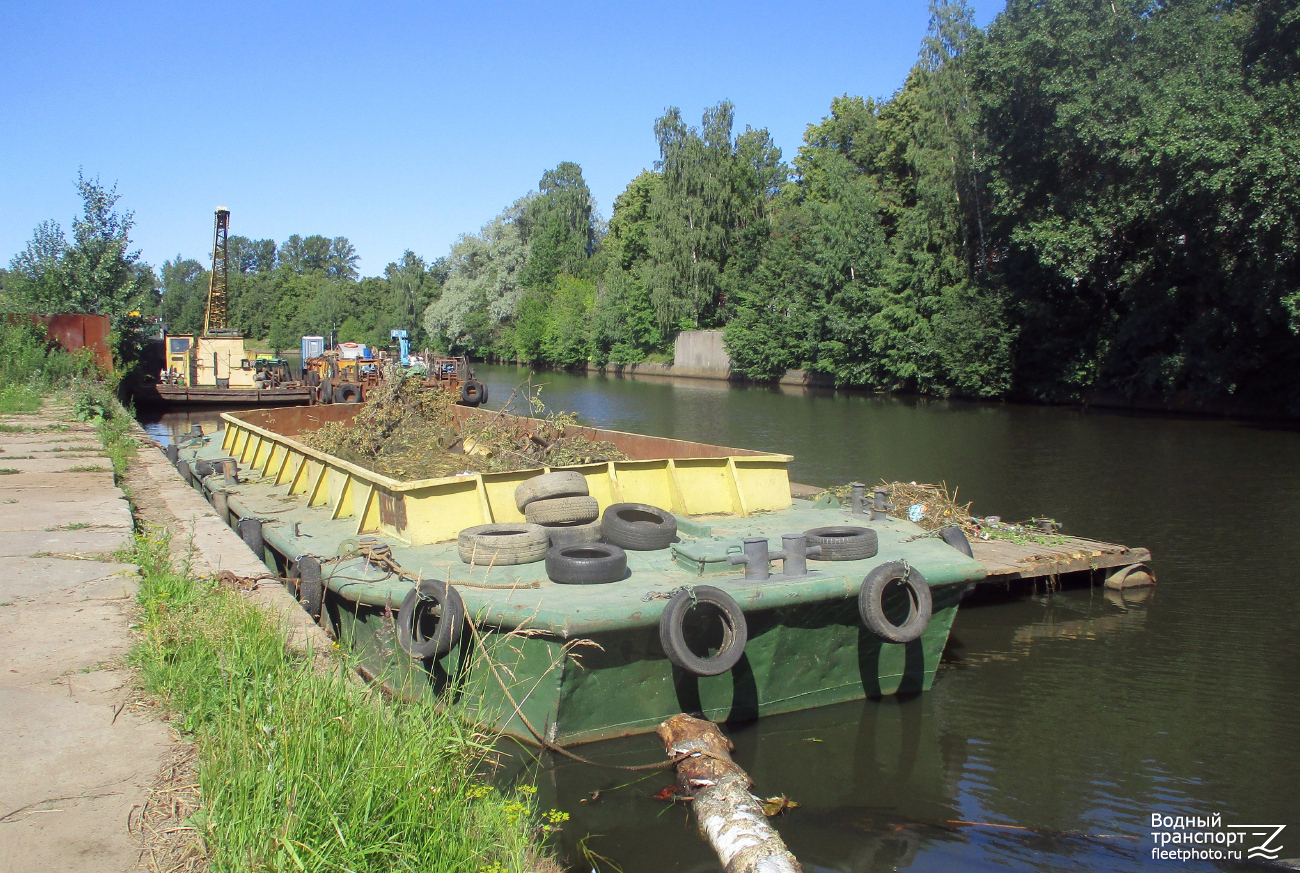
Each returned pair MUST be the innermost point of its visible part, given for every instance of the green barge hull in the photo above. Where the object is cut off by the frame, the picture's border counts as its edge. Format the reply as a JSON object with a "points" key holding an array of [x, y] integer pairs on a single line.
{"points": [[577, 663]]}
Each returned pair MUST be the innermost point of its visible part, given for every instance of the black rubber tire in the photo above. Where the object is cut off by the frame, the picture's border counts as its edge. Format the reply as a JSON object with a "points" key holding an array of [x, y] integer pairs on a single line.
{"points": [[347, 393], [562, 510], [586, 564], [311, 594], [325, 391], [638, 526], [672, 638], [872, 608], [841, 542], [561, 483], [483, 393], [451, 623], [502, 544], [471, 392], [953, 536], [572, 534]]}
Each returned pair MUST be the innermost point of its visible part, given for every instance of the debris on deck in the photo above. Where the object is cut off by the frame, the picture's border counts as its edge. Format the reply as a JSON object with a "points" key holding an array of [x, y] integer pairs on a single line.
{"points": [[1018, 555]]}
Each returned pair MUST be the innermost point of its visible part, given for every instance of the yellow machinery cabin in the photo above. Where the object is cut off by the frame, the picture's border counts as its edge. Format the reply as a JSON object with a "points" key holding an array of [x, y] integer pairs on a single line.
{"points": [[208, 362]]}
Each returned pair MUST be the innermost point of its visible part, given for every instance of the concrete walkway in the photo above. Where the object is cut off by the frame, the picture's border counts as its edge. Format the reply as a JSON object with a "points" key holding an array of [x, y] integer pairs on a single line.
{"points": [[76, 761]]}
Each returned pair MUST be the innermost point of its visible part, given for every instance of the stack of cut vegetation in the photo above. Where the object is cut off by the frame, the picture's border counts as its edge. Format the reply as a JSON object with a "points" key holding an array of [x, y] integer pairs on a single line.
{"points": [[938, 507], [409, 431]]}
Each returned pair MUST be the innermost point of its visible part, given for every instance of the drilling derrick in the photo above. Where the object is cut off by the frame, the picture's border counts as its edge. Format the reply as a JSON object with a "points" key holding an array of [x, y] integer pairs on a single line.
{"points": [[214, 320]]}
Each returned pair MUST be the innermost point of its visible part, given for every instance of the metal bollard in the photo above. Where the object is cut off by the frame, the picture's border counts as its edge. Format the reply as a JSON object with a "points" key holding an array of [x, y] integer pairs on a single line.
{"points": [[881, 505], [795, 554], [250, 530], [173, 453], [230, 470], [857, 498], [196, 430], [221, 503], [755, 558]]}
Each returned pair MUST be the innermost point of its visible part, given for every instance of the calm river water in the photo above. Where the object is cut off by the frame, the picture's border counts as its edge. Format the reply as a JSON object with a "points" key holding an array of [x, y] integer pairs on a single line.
{"points": [[1059, 723]]}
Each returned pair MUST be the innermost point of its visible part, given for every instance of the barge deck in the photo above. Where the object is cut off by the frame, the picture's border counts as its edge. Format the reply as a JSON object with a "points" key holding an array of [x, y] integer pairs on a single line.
{"points": [[178, 395], [560, 663], [1060, 562]]}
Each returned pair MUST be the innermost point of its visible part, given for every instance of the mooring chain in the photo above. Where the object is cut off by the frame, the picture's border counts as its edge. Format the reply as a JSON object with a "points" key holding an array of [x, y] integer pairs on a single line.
{"points": [[929, 534], [668, 595]]}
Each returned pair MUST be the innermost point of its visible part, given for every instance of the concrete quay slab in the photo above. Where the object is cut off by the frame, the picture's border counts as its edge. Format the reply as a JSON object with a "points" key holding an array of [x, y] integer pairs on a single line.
{"points": [[89, 542], [77, 761]]}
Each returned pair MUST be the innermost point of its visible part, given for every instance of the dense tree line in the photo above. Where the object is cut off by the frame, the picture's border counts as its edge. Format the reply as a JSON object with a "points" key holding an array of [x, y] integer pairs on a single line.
{"points": [[304, 286], [1085, 196], [277, 293]]}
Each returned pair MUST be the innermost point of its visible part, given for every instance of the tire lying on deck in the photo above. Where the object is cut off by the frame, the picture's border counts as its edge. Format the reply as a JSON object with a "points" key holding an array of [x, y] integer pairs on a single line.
{"points": [[502, 543], [638, 526], [570, 534], [562, 510], [672, 630], [953, 536], [414, 635], [894, 580], [586, 564], [843, 542], [561, 483]]}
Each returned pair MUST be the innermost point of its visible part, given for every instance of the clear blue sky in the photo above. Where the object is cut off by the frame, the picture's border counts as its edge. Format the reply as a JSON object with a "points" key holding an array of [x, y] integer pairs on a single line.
{"points": [[397, 125]]}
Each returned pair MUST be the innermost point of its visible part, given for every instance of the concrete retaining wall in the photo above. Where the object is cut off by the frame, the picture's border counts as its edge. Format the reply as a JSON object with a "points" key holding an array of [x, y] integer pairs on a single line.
{"points": [[701, 354], [701, 351]]}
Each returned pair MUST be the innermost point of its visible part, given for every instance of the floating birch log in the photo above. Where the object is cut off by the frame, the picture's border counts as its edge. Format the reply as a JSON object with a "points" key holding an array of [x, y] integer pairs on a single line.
{"points": [[729, 817]]}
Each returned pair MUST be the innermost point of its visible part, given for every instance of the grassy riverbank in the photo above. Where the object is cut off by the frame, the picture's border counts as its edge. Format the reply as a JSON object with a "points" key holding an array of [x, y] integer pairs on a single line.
{"points": [[299, 769], [305, 770]]}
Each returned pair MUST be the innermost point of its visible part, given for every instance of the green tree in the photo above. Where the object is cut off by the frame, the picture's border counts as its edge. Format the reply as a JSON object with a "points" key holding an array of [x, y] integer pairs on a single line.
{"points": [[711, 185], [626, 328], [37, 281], [251, 255], [96, 273], [184, 295], [1144, 220], [483, 285], [558, 227]]}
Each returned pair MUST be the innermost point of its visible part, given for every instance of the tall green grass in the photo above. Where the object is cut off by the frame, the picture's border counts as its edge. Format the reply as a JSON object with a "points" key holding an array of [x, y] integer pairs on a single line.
{"points": [[31, 367], [305, 771], [28, 360], [93, 402]]}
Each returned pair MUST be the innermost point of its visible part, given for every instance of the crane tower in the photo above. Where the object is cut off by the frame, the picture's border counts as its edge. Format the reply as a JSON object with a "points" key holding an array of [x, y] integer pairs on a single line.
{"points": [[214, 320]]}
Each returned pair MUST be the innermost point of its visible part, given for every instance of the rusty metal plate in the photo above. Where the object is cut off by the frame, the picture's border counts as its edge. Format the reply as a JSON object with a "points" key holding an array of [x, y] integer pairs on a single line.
{"points": [[392, 510]]}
